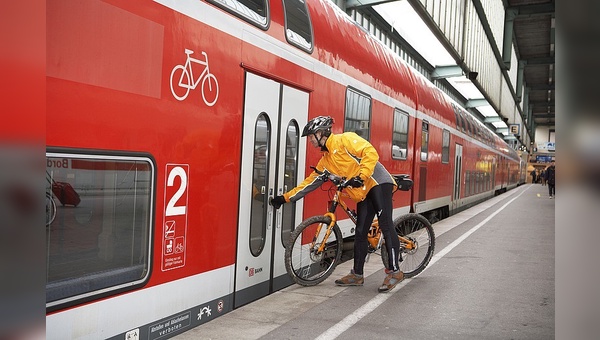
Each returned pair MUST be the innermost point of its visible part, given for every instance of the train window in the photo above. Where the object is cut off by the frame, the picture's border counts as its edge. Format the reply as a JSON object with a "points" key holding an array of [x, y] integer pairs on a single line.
{"points": [[463, 124], [298, 28], [290, 177], [424, 141], [458, 118], [467, 183], [358, 113], [98, 224], [481, 181], [253, 11], [445, 146], [260, 176], [469, 126], [400, 135]]}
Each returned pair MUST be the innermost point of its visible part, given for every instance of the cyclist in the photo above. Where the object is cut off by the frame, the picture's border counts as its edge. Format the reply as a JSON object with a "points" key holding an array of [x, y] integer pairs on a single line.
{"points": [[371, 186]]}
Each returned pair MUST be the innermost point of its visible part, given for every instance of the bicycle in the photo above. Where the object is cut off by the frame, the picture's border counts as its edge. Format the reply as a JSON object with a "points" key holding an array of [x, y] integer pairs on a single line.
{"points": [[187, 81], [315, 246]]}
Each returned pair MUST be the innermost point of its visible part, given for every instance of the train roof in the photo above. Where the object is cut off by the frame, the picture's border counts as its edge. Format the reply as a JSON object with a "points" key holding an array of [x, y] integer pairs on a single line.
{"points": [[342, 43]]}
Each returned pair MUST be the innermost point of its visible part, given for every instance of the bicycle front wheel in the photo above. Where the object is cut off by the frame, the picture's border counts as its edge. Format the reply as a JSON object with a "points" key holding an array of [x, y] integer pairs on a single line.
{"points": [[304, 262], [417, 254]]}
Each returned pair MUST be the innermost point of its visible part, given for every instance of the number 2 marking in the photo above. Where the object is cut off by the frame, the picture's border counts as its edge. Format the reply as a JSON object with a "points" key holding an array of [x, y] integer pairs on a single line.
{"points": [[173, 210]]}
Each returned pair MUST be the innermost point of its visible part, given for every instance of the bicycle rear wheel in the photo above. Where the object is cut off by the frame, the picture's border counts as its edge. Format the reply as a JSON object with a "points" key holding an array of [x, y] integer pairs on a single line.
{"points": [[303, 262], [418, 229]]}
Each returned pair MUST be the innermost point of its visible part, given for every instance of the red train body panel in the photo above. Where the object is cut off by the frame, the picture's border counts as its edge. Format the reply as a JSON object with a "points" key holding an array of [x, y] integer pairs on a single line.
{"points": [[175, 121]]}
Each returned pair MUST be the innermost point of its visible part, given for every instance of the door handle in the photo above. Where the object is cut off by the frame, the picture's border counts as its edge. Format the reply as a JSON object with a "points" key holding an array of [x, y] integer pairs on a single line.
{"points": [[269, 211], [279, 212]]}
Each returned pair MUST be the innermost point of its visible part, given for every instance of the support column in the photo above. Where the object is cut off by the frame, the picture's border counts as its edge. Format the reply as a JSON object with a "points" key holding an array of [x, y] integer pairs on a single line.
{"points": [[520, 72], [509, 20]]}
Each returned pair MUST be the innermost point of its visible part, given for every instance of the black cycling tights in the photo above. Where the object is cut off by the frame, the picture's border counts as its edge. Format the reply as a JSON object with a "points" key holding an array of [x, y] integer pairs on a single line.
{"points": [[378, 202]]}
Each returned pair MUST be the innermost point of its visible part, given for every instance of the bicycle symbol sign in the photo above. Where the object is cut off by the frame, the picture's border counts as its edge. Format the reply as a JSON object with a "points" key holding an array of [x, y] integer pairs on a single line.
{"points": [[183, 80]]}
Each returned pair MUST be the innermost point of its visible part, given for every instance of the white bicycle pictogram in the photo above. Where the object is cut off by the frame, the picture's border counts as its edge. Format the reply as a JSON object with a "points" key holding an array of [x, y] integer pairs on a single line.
{"points": [[185, 82]]}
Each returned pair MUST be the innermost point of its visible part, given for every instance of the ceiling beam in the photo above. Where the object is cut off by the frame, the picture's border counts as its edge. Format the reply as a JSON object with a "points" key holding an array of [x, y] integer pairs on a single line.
{"points": [[541, 87], [492, 119], [544, 116], [361, 3], [533, 10], [447, 72], [541, 61], [544, 103], [476, 103]]}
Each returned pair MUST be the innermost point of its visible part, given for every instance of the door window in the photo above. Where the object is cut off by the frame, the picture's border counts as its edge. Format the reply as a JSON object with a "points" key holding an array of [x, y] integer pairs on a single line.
{"points": [[292, 139], [424, 141], [258, 207]]}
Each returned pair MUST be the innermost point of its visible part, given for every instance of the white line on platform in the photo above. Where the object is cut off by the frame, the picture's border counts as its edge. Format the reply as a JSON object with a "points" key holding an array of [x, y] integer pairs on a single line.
{"points": [[340, 327]]}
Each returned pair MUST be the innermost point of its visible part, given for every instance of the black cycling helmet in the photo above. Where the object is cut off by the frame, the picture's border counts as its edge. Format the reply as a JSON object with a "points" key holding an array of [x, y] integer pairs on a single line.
{"points": [[318, 123]]}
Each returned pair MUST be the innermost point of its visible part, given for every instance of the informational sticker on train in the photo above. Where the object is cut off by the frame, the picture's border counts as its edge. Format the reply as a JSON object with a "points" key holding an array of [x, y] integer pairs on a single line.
{"points": [[165, 327], [175, 219]]}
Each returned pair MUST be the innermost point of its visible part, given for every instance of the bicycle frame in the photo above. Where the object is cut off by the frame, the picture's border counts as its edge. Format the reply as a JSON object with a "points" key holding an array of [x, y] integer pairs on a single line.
{"points": [[374, 234], [188, 66]]}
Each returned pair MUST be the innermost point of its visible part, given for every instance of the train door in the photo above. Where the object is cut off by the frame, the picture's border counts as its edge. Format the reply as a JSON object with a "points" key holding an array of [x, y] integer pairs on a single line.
{"points": [[457, 172], [272, 158], [423, 159]]}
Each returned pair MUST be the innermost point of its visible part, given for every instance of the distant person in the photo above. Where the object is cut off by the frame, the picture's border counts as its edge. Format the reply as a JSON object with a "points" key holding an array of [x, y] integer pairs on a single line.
{"points": [[543, 177], [551, 179], [353, 157], [533, 176]]}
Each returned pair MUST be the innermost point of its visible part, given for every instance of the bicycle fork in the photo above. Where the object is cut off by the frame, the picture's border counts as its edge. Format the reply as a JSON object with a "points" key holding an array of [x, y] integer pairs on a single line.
{"points": [[327, 233]]}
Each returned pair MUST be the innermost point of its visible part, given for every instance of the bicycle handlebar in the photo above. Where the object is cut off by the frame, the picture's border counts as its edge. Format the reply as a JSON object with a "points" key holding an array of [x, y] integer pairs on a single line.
{"points": [[403, 182], [339, 181]]}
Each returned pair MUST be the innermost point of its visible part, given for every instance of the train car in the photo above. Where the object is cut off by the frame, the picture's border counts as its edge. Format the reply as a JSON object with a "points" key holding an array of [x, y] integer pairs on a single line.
{"points": [[174, 121]]}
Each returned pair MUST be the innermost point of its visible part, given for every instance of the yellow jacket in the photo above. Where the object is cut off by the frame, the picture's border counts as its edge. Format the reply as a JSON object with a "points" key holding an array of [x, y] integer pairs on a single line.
{"points": [[347, 155]]}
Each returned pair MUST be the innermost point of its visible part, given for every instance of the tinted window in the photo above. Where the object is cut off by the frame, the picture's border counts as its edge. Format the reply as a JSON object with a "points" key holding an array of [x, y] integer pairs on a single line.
{"points": [[358, 113], [290, 178], [400, 135], [298, 29], [98, 224], [262, 133], [445, 146], [424, 141], [253, 11]]}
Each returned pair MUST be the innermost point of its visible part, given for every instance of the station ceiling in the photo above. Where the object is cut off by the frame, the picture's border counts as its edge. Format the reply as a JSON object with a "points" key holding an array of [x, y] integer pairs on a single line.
{"points": [[532, 26], [534, 40]]}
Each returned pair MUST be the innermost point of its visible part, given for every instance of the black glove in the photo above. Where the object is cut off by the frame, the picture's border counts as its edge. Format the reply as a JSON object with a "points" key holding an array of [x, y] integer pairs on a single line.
{"points": [[277, 201], [356, 182]]}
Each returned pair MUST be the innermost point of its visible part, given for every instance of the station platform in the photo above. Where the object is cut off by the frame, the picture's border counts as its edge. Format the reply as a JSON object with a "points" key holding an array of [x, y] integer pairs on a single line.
{"points": [[492, 277]]}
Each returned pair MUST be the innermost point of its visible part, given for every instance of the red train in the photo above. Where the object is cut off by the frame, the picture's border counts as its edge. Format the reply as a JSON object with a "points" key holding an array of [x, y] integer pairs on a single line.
{"points": [[175, 121]]}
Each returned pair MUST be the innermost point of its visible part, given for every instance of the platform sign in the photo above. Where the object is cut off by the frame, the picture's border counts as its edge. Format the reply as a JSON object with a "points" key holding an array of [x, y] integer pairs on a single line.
{"points": [[514, 129], [174, 226]]}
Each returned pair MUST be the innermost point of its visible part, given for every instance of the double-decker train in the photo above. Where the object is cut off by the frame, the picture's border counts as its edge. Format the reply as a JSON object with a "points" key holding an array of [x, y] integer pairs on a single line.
{"points": [[170, 124]]}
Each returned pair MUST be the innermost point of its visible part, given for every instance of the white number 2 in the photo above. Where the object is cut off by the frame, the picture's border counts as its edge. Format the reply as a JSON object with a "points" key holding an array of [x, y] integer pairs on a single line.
{"points": [[173, 210]]}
